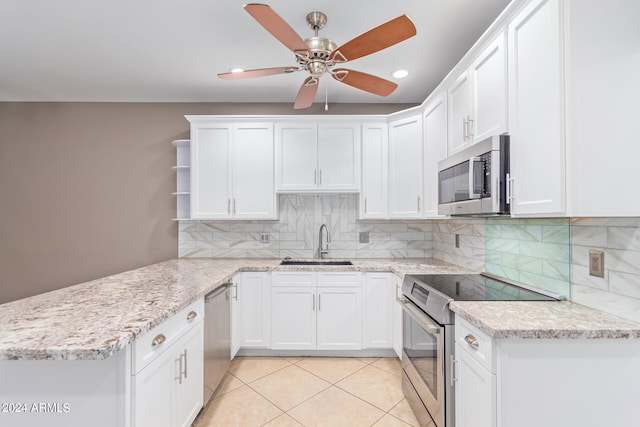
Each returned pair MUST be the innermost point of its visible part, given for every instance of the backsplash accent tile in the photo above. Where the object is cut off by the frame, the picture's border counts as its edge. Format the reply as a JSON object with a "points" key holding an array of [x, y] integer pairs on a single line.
{"points": [[618, 292], [296, 233]]}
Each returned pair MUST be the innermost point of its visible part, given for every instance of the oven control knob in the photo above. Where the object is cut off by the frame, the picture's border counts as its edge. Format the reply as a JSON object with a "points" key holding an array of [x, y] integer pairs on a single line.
{"points": [[472, 341]]}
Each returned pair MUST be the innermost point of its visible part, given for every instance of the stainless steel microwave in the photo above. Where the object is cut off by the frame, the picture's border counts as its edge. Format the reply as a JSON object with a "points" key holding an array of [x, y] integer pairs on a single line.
{"points": [[474, 181]]}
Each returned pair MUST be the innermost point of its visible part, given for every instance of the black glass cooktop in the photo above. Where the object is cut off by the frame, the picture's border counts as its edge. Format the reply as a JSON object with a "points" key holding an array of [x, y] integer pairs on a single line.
{"points": [[476, 287]]}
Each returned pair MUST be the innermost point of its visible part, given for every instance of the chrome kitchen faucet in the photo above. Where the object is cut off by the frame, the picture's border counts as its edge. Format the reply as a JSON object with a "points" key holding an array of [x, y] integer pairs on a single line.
{"points": [[325, 251]]}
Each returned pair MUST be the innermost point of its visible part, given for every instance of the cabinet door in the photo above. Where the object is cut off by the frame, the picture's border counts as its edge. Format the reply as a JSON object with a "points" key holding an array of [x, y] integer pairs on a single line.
{"points": [[435, 149], [397, 315], [536, 110], [253, 301], [152, 400], [405, 168], [253, 171], [293, 317], [375, 171], [339, 318], [296, 156], [338, 156], [210, 173], [476, 396], [379, 300], [459, 101], [188, 384], [489, 83]]}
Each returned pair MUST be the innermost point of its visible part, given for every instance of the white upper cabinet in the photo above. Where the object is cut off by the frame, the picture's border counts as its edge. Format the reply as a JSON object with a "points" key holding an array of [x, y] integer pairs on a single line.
{"points": [[478, 98], [253, 171], [318, 156], [405, 167], [210, 171], [489, 97], [459, 95], [536, 110], [603, 122], [232, 171], [374, 202], [297, 156], [339, 156], [434, 125]]}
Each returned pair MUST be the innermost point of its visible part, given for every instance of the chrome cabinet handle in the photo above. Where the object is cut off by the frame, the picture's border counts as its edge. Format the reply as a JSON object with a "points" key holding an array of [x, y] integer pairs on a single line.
{"points": [[472, 341], [365, 205], [464, 128], [235, 286], [185, 363], [313, 303], [228, 206], [315, 176], [469, 127], [418, 203], [452, 373], [320, 176], [319, 302], [158, 340], [234, 205], [192, 315], [179, 377]]}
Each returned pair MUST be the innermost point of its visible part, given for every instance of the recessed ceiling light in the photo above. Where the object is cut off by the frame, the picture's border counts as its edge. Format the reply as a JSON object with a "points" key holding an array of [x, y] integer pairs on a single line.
{"points": [[400, 74], [237, 70]]}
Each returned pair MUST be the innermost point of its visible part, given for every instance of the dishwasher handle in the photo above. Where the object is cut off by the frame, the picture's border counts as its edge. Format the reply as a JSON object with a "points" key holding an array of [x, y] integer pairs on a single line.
{"points": [[217, 291]]}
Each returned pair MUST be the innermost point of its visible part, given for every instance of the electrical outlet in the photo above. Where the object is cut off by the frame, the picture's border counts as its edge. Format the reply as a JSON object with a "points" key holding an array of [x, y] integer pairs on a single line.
{"points": [[596, 263], [364, 237], [457, 240], [265, 238]]}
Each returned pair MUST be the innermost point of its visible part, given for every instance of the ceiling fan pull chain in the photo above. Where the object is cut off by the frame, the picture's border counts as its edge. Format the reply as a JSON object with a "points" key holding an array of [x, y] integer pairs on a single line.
{"points": [[326, 98]]}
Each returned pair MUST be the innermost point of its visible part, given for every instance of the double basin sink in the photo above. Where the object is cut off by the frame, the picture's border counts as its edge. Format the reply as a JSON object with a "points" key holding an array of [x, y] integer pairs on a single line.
{"points": [[314, 262]]}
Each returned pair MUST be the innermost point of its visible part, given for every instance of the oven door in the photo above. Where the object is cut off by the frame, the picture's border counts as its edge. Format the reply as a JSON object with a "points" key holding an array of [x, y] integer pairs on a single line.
{"points": [[423, 359]]}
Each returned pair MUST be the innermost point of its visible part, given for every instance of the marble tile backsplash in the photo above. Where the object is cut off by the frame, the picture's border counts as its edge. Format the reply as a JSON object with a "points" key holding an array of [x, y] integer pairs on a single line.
{"points": [[618, 292], [295, 234], [470, 251]]}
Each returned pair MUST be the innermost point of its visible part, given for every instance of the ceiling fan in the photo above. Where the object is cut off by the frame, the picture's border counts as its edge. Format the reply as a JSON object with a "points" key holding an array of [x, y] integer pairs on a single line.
{"points": [[319, 55]]}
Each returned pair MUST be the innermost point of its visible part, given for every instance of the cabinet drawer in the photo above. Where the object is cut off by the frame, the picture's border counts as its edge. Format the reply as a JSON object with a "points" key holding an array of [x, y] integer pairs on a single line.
{"points": [[340, 278], [291, 278], [145, 350], [478, 344]]}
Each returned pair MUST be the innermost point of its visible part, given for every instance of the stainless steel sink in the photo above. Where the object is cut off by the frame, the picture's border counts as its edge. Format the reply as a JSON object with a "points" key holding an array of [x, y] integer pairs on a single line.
{"points": [[314, 262]]}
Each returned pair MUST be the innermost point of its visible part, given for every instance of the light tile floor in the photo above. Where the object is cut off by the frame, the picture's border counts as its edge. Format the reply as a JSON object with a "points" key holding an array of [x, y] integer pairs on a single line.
{"points": [[309, 392]]}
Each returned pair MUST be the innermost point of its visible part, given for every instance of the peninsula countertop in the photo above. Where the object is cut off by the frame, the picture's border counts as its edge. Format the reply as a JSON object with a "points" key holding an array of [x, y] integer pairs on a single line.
{"points": [[94, 320]]}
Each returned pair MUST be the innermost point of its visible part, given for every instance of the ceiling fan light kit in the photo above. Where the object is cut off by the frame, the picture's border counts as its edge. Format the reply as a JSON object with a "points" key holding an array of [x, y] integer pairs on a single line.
{"points": [[318, 55]]}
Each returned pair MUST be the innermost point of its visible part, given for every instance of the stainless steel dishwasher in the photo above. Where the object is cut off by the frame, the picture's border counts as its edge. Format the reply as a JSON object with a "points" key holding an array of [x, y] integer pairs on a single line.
{"points": [[217, 338]]}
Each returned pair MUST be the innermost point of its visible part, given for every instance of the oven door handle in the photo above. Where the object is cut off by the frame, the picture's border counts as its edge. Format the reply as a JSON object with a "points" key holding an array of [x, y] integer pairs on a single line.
{"points": [[421, 318]]}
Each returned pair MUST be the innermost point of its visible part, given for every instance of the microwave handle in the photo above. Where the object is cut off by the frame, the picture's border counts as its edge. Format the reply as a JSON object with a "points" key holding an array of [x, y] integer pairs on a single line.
{"points": [[472, 162]]}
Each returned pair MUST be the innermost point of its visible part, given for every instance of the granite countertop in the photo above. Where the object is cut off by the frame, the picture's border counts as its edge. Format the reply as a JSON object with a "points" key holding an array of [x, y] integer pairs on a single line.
{"points": [[94, 320], [544, 320]]}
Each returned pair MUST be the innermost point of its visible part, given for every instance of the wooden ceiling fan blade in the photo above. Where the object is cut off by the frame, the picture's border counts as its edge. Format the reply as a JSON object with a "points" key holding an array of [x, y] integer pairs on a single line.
{"points": [[377, 38], [258, 72], [307, 93], [277, 26], [363, 81]]}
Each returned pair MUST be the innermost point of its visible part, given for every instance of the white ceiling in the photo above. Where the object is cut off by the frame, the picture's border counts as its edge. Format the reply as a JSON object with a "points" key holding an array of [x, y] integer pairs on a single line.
{"points": [[171, 50]]}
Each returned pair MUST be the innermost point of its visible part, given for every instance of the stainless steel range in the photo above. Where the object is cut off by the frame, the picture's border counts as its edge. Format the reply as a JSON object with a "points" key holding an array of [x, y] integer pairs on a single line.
{"points": [[428, 335]]}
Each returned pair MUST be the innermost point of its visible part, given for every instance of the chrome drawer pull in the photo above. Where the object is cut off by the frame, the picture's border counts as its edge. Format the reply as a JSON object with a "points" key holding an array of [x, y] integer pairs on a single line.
{"points": [[472, 341], [192, 315], [158, 340]]}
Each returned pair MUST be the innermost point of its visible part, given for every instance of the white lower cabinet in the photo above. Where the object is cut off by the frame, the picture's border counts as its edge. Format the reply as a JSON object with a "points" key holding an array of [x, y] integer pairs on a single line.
{"points": [[316, 311], [378, 310], [253, 309], [396, 282], [544, 382], [475, 392], [167, 372]]}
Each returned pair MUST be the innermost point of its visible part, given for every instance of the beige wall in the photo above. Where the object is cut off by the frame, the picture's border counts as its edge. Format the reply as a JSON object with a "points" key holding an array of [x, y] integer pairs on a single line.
{"points": [[85, 188]]}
